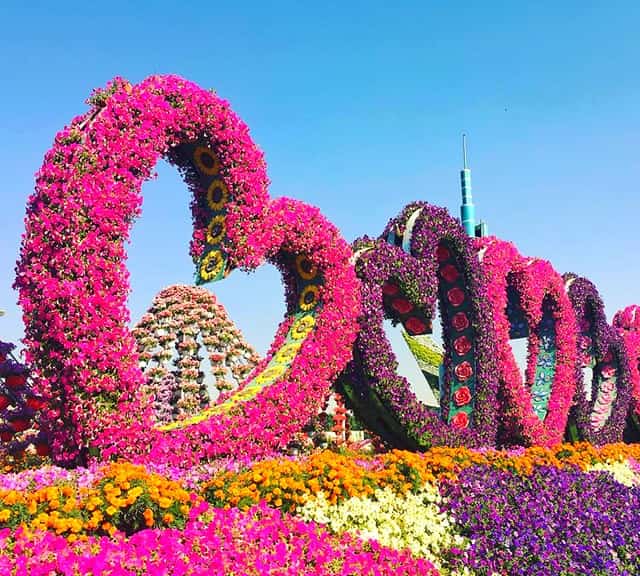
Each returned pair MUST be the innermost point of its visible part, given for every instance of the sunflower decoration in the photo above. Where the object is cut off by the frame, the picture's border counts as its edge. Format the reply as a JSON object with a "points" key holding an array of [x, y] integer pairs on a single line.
{"points": [[216, 230], [302, 326], [206, 161], [271, 373], [287, 353], [308, 298], [217, 195], [211, 266], [306, 269]]}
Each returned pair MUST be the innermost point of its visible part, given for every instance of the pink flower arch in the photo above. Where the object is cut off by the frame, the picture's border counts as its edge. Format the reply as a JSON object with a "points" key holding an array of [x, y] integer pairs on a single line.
{"points": [[73, 282]]}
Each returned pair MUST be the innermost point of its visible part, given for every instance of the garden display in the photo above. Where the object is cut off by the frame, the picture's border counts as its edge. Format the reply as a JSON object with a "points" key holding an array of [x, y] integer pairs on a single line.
{"points": [[171, 447]]}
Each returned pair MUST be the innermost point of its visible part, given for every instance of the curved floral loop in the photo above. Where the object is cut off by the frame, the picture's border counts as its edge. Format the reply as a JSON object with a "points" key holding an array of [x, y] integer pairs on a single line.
{"points": [[435, 266], [627, 324], [20, 407], [73, 282], [528, 299], [182, 321], [600, 407]]}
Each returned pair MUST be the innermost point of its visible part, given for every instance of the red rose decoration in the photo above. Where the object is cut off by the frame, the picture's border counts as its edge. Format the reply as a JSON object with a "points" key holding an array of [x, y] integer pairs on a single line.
{"points": [[455, 296], [401, 305], [6, 435], [460, 420], [15, 380], [19, 424], [415, 326], [462, 396], [390, 289], [450, 273], [460, 321], [42, 450], [4, 402], [462, 345], [463, 371], [442, 253], [35, 403]]}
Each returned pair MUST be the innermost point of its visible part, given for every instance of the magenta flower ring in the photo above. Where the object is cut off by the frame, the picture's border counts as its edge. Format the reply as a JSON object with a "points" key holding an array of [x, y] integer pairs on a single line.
{"points": [[528, 300], [435, 266], [626, 322], [73, 282], [600, 407]]}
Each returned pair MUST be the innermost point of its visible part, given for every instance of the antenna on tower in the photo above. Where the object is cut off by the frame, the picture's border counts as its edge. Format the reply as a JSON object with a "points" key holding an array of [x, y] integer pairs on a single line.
{"points": [[464, 150]]}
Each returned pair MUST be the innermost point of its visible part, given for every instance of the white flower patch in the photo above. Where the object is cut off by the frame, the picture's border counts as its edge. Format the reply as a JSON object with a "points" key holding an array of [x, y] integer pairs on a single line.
{"points": [[411, 521], [621, 472]]}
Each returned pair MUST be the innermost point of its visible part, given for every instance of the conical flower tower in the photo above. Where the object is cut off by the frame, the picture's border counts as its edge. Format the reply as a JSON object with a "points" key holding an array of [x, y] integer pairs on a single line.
{"points": [[183, 324]]}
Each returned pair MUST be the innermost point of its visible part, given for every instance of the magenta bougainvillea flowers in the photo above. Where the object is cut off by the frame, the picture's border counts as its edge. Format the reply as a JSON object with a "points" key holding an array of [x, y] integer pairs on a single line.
{"points": [[73, 282]]}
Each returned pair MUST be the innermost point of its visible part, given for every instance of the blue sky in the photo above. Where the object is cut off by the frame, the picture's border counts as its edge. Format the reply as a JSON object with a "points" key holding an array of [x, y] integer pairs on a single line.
{"points": [[359, 108]]}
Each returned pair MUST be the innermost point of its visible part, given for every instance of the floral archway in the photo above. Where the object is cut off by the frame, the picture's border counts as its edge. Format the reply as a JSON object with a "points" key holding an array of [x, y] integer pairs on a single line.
{"points": [[73, 282]]}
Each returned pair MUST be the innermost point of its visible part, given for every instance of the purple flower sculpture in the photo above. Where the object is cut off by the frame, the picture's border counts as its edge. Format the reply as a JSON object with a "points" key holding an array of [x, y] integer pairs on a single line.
{"points": [[424, 258], [600, 407]]}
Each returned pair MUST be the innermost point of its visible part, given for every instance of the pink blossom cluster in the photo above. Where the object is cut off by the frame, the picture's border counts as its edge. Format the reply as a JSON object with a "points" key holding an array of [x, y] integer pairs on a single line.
{"points": [[627, 322], [257, 542], [534, 281], [73, 282]]}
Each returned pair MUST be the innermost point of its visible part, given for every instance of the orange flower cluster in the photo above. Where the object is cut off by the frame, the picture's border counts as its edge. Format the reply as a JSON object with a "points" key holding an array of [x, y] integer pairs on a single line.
{"points": [[287, 484], [126, 497]]}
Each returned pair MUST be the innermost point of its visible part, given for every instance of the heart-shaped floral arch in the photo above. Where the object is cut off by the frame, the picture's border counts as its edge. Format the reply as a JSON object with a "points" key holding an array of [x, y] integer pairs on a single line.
{"points": [[528, 299], [599, 415], [424, 258], [73, 282]]}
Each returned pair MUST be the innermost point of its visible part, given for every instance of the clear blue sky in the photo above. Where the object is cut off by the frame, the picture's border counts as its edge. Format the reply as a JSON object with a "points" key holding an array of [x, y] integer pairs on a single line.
{"points": [[359, 108]]}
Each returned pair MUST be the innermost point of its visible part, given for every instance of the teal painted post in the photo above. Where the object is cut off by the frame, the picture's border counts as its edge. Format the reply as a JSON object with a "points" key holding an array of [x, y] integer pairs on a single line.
{"points": [[467, 210]]}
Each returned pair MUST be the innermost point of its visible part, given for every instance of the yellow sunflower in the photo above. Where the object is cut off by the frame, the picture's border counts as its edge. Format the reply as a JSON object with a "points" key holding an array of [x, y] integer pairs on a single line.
{"points": [[305, 268], [308, 298], [211, 265], [302, 326], [287, 353], [206, 161], [217, 195], [216, 229], [271, 373]]}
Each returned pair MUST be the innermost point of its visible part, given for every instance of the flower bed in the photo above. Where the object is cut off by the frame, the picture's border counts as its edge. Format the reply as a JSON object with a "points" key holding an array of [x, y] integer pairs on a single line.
{"points": [[395, 513]]}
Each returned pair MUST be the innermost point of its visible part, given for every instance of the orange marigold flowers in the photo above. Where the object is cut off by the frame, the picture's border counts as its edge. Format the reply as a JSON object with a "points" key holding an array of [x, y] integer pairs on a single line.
{"points": [[148, 517]]}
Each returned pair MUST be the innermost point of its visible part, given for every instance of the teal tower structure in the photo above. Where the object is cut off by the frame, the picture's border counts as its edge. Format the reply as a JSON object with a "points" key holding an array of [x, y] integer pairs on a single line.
{"points": [[467, 210]]}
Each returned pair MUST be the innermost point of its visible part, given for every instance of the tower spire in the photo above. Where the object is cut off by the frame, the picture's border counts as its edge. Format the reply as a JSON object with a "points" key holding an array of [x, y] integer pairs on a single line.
{"points": [[467, 210]]}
